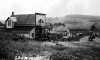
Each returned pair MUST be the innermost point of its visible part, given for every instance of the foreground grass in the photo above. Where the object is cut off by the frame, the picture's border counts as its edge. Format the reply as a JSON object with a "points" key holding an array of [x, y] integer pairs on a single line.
{"points": [[10, 49], [34, 48], [77, 54]]}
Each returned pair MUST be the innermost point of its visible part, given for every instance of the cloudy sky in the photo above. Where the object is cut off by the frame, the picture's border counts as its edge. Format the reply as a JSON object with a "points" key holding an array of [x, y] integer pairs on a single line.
{"points": [[53, 8]]}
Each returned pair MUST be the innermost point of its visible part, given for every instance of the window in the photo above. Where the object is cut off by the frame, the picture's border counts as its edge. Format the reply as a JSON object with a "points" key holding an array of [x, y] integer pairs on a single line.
{"points": [[42, 21], [32, 34], [9, 23]]}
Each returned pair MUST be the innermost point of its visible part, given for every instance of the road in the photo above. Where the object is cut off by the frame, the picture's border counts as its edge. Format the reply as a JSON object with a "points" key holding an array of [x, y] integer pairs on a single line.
{"points": [[77, 44]]}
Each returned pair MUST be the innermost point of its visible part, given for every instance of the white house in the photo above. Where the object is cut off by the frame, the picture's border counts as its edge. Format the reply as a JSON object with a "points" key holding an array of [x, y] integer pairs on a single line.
{"points": [[26, 24]]}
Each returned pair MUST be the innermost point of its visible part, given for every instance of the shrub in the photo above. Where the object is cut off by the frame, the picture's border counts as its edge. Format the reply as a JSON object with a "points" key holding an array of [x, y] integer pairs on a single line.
{"points": [[62, 56], [76, 54]]}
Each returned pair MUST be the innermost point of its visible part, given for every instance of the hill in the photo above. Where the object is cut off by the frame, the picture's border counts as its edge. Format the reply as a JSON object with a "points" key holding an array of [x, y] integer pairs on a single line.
{"points": [[77, 21], [87, 17], [54, 19]]}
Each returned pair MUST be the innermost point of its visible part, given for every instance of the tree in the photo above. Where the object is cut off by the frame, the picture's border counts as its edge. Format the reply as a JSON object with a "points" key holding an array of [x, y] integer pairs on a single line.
{"points": [[55, 24], [93, 28], [59, 24], [63, 24]]}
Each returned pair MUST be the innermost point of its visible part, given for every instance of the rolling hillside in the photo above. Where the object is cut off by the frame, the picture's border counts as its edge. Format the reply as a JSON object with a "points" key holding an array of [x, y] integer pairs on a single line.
{"points": [[77, 21]]}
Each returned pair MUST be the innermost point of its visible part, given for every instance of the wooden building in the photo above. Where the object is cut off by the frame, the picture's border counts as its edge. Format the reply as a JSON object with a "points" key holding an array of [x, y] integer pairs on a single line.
{"points": [[29, 25]]}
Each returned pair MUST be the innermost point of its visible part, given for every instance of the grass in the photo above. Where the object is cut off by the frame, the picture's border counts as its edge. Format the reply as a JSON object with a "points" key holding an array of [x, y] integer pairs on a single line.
{"points": [[77, 54], [57, 53], [9, 49]]}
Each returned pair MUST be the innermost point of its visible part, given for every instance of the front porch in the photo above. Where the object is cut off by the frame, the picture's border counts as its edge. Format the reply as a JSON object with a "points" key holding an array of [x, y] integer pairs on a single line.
{"points": [[42, 32]]}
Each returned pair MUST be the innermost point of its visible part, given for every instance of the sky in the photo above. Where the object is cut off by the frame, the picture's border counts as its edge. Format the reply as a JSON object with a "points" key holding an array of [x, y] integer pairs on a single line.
{"points": [[53, 8]]}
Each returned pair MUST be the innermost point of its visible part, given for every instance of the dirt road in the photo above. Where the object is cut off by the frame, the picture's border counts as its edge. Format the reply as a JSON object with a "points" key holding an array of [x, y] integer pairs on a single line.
{"points": [[76, 44]]}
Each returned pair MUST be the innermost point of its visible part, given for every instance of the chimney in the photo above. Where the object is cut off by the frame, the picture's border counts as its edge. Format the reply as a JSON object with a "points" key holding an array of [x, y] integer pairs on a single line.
{"points": [[12, 13]]}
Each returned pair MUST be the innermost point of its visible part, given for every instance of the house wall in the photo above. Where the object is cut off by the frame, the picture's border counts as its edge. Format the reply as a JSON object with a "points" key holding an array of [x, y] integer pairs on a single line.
{"points": [[13, 23], [26, 35], [29, 35], [7, 24], [38, 17], [32, 32]]}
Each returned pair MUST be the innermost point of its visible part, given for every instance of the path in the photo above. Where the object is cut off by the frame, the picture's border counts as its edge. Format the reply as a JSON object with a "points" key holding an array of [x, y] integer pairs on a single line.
{"points": [[77, 44]]}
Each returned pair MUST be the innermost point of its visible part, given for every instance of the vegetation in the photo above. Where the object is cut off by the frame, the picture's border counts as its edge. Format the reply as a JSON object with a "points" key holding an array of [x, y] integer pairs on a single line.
{"points": [[93, 28], [56, 24], [76, 54], [59, 24], [9, 48]]}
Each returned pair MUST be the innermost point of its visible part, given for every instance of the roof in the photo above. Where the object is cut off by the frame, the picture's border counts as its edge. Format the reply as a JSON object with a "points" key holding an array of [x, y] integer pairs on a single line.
{"points": [[62, 29], [20, 29], [14, 19], [46, 27], [25, 19], [40, 14], [2, 25], [53, 31]]}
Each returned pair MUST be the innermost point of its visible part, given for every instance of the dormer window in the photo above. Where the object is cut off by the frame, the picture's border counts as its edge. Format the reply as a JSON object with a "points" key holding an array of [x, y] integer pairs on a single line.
{"points": [[40, 21], [9, 23]]}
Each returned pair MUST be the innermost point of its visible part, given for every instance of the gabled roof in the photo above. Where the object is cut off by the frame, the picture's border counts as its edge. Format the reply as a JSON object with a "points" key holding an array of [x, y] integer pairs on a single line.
{"points": [[25, 19], [14, 19]]}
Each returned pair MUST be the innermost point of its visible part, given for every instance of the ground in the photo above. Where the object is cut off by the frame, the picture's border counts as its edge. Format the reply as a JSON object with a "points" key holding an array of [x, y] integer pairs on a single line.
{"points": [[83, 41], [80, 50]]}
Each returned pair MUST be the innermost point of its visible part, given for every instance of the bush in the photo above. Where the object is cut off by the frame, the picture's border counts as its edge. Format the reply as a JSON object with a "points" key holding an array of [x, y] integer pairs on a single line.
{"points": [[58, 48], [8, 45], [62, 56], [6, 51], [77, 54]]}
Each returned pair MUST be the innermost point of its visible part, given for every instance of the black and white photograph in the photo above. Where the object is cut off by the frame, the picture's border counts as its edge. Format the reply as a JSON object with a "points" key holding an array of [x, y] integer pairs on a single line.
{"points": [[49, 29]]}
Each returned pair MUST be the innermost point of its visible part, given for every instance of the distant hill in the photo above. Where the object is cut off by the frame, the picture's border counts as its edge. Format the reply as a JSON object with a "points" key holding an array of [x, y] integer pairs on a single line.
{"points": [[77, 21], [74, 17], [54, 19], [87, 17], [83, 21], [83, 16]]}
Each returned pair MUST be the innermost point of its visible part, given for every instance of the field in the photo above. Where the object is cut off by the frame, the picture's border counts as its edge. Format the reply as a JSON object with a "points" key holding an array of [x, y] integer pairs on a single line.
{"points": [[76, 50]]}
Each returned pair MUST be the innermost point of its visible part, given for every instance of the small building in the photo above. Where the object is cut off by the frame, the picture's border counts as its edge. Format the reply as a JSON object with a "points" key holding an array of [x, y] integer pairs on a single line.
{"points": [[63, 30], [2, 26], [29, 25]]}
